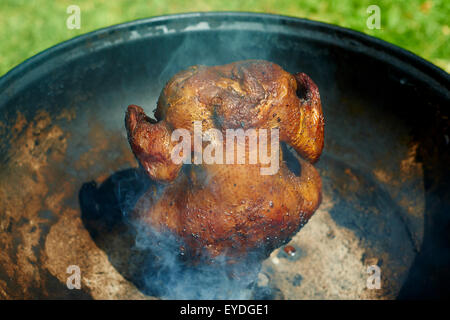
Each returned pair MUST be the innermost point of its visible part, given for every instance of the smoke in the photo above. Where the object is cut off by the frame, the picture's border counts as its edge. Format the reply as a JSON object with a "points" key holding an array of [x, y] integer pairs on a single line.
{"points": [[230, 42], [168, 276], [160, 268], [165, 272]]}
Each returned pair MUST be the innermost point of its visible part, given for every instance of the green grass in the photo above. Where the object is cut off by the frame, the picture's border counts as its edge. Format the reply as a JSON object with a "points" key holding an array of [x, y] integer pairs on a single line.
{"points": [[30, 26]]}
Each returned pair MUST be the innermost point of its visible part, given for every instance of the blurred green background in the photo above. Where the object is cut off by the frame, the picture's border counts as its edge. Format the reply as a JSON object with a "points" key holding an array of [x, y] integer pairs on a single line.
{"points": [[30, 26]]}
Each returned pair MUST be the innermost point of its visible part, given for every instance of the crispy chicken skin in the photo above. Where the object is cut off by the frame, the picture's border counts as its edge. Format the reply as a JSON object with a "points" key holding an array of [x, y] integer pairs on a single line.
{"points": [[230, 209]]}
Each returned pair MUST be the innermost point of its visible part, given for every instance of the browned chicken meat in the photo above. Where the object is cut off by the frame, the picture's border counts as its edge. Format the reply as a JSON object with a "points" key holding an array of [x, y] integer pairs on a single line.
{"points": [[221, 208]]}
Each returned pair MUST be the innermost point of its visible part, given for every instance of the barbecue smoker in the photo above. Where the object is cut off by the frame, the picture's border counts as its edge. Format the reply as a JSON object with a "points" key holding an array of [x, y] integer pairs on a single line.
{"points": [[68, 175]]}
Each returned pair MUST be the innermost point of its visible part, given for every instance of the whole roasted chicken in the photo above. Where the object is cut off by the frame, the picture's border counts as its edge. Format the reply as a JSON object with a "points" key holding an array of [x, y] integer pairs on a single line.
{"points": [[226, 208]]}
